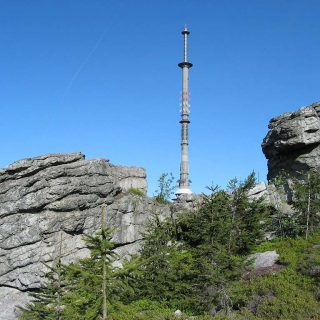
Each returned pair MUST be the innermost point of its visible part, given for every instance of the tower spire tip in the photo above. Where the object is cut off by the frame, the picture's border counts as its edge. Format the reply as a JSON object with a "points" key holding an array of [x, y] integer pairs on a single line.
{"points": [[185, 30]]}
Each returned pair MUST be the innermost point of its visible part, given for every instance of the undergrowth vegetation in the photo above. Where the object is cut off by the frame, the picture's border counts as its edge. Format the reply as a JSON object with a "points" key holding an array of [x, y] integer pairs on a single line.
{"points": [[290, 293]]}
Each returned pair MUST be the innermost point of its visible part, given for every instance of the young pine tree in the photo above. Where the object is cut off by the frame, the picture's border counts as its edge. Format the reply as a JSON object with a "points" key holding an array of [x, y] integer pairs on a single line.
{"points": [[93, 282]]}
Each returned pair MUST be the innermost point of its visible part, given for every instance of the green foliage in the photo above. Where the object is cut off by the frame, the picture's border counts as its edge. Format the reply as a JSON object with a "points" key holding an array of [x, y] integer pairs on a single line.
{"points": [[164, 268], [187, 262], [227, 218], [291, 293], [285, 224], [136, 192], [227, 225], [93, 279], [305, 198], [249, 217], [142, 310], [84, 289], [304, 195], [307, 201], [46, 302], [166, 188], [148, 309]]}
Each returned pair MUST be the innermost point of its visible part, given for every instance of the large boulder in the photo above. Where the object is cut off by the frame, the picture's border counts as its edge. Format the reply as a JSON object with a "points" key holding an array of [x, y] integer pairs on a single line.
{"points": [[264, 259], [292, 145], [48, 203], [262, 263]]}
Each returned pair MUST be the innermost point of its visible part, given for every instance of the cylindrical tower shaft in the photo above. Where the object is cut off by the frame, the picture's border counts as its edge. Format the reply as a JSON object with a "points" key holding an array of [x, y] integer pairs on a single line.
{"points": [[184, 183]]}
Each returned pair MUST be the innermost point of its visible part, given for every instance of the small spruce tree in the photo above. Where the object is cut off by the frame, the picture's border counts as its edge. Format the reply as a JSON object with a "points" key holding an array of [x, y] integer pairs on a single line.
{"points": [[93, 281]]}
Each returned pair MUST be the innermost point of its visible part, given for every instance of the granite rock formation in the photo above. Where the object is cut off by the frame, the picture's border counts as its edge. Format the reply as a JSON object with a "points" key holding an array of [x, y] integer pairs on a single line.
{"points": [[292, 145], [47, 203]]}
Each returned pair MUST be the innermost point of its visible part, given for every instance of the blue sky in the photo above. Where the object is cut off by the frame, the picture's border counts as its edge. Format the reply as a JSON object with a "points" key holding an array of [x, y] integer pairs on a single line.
{"points": [[101, 77]]}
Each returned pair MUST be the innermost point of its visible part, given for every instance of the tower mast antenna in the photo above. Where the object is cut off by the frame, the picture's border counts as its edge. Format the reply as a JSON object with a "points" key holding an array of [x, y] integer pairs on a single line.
{"points": [[184, 182]]}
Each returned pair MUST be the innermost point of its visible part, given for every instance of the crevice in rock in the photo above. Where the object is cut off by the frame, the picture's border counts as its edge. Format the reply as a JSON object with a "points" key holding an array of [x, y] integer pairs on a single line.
{"points": [[11, 287], [17, 267], [32, 210], [21, 245], [119, 245], [74, 232]]}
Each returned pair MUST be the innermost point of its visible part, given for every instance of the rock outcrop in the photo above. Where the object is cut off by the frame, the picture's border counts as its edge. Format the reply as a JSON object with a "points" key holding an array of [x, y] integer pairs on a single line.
{"points": [[292, 145], [47, 203]]}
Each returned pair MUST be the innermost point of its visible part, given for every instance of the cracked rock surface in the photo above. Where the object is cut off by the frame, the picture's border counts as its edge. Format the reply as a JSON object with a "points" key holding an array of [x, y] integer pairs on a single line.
{"points": [[47, 203], [292, 144]]}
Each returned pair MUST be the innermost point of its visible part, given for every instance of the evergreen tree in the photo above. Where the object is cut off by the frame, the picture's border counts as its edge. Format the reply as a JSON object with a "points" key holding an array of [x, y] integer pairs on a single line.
{"points": [[83, 290], [206, 234], [187, 261], [93, 282], [165, 269], [248, 216]]}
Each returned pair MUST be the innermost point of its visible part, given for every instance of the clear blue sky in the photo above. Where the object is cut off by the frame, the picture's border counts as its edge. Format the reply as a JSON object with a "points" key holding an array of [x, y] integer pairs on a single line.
{"points": [[101, 77]]}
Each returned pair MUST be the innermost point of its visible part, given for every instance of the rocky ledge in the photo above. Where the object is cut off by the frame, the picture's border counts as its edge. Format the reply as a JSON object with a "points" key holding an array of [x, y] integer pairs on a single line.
{"points": [[47, 203], [292, 145]]}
